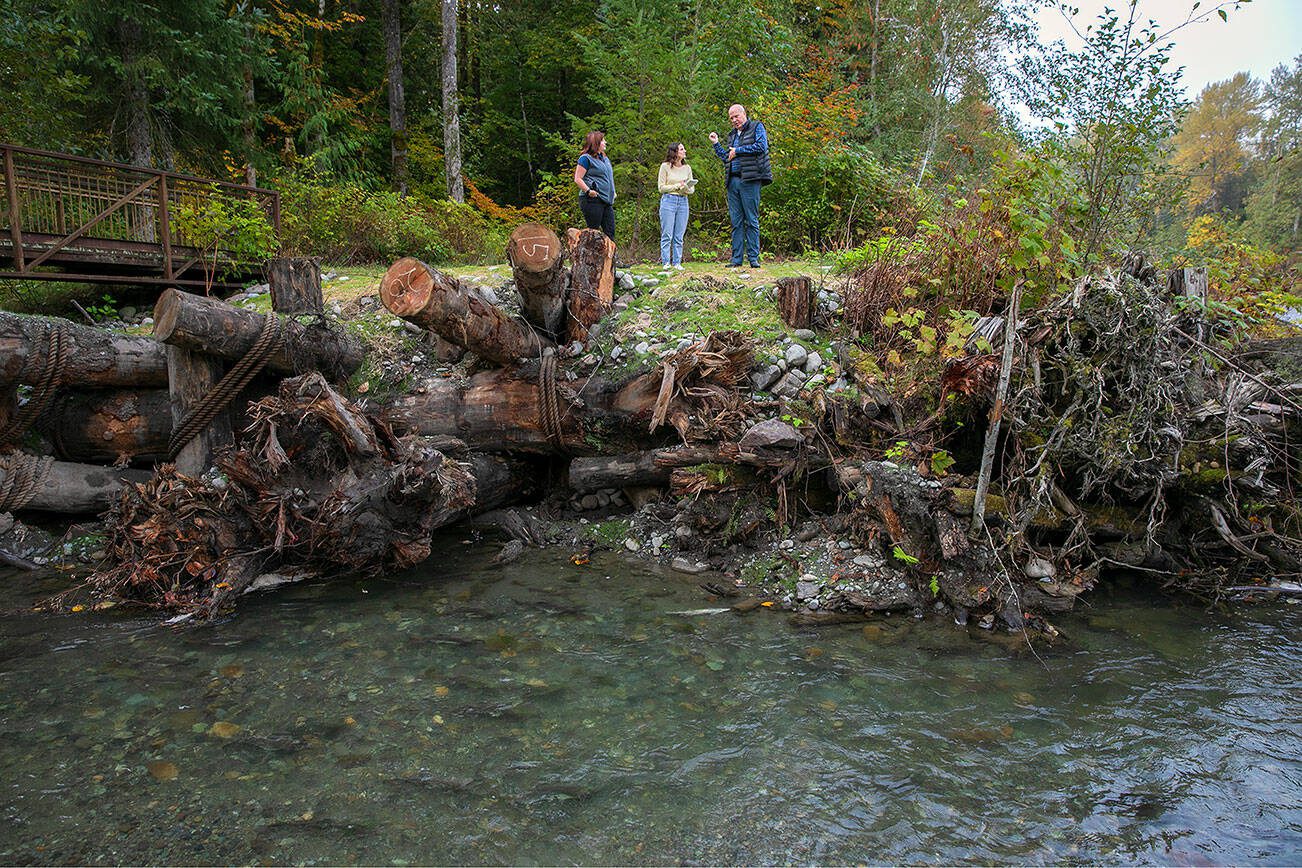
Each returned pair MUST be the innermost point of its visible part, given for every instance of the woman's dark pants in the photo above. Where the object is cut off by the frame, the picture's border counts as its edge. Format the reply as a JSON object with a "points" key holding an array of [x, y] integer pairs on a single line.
{"points": [[598, 215]]}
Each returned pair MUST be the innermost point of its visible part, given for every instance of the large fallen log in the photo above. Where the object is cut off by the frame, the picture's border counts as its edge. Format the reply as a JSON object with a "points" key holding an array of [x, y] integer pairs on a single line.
{"points": [[60, 486], [91, 357], [107, 426], [444, 305], [506, 410], [213, 327], [651, 467], [592, 280], [498, 411], [538, 266]]}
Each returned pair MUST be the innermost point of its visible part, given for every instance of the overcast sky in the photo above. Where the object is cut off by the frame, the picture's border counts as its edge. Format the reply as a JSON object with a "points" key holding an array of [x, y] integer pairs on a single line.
{"points": [[1258, 37]]}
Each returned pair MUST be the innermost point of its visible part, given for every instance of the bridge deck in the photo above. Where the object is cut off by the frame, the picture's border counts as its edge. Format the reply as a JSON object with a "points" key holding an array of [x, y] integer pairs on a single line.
{"points": [[72, 218]]}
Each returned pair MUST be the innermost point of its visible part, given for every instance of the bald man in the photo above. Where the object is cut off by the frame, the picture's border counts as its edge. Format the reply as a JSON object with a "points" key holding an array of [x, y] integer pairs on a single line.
{"points": [[746, 162]]}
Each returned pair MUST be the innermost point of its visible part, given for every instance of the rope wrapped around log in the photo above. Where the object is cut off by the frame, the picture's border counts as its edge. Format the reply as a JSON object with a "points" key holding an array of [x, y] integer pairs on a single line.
{"points": [[230, 386], [23, 475], [549, 403], [45, 371]]}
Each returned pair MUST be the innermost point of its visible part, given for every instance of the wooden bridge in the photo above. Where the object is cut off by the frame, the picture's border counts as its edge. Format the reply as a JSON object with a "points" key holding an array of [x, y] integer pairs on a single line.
{"points": [[72, 218]]}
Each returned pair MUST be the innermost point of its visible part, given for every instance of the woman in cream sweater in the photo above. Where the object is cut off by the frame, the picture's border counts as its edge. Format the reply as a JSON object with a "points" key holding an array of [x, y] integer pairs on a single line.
{"points": [[676, 184]]}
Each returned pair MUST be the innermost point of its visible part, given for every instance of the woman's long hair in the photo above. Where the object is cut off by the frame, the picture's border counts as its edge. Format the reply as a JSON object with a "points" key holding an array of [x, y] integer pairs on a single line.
{"points": [[671, 155], [592, 143]]}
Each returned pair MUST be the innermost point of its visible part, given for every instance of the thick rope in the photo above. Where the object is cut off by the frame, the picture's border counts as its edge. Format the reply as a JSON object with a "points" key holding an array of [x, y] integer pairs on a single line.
{"points": [[23, 474], [549, 409], [45, 372], [226, 390]]}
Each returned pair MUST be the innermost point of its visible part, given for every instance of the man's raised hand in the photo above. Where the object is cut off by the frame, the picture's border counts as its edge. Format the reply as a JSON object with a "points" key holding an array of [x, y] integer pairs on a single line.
{"points": [[714, 138]]}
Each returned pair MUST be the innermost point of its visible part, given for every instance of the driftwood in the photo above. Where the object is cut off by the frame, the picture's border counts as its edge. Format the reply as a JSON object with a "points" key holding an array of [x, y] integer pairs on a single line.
{"points": [[496, 411], [504, 410], [109, 425], [592, 280], [93, 357], [215, 328], [538, 266], [458, 312], [295, 285]]}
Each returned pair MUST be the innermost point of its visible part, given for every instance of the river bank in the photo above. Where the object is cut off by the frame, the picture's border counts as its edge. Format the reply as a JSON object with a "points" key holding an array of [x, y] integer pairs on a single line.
{"points": [[847, 467]]}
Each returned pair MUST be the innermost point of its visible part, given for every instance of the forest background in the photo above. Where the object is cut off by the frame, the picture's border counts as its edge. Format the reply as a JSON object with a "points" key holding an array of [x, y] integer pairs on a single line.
{"points": [[891, 121]]}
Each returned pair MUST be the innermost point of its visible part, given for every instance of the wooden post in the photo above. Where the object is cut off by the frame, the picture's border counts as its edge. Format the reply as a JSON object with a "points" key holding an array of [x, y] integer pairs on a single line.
{"points": [[534, 252], [295, 285], [165, 226], [592, 280], [190, 377], [795, 296], [15, 212]]}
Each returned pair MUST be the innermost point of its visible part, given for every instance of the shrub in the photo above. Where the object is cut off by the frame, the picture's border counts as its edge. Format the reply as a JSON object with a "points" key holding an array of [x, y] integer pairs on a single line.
{"points": [[346, 223], [230, 230], [835, 197], [1258, 282]]}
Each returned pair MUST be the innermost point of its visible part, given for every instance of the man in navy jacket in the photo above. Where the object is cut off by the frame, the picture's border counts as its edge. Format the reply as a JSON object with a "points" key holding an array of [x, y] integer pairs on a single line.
{"points": [[746, 161]]}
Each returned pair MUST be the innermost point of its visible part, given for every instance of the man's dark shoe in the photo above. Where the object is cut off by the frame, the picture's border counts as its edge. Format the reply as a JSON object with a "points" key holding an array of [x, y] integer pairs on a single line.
{"points": [[754, 265], [733, 265]]}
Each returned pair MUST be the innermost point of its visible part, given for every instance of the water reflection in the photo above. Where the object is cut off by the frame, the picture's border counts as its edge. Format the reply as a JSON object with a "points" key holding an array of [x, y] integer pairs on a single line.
{"points": [[550, 713]]}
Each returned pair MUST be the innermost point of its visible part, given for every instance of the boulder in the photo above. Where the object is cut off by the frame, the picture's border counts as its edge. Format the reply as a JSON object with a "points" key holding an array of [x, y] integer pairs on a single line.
{"points": [[769, 435]]}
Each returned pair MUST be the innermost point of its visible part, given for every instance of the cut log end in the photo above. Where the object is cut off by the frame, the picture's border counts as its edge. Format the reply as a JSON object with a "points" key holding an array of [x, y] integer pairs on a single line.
{"points": [[406, 287], [166, 312], [533, 248]]}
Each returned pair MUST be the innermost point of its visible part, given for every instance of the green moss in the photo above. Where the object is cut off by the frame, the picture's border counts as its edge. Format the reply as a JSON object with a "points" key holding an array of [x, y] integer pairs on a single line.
{"points": [[757, 572], [611, 532]]}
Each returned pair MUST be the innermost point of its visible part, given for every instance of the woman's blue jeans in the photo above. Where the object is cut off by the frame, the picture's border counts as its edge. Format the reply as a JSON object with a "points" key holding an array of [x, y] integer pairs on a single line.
{"points": [[673, 225]]}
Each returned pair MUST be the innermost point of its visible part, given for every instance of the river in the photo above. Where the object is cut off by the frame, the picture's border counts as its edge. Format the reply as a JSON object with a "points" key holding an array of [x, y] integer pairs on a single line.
{"points": [[547, 713]]}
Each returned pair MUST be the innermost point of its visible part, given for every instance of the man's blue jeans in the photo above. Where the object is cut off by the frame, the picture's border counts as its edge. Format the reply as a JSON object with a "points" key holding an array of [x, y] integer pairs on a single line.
{"points": [[743, 211], [673, 225]]}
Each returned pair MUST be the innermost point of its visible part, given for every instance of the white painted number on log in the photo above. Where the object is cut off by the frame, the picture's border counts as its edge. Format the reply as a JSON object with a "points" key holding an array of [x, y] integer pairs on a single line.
{"points": [[535, 247]]}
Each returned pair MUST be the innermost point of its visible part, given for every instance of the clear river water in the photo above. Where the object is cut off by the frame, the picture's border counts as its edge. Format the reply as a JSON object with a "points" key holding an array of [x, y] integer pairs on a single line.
{"points": [[544, 713]]}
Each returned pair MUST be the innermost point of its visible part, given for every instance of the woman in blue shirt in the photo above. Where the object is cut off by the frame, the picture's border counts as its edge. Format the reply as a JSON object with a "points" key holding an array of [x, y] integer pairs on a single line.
{"points": [[596, 183]]}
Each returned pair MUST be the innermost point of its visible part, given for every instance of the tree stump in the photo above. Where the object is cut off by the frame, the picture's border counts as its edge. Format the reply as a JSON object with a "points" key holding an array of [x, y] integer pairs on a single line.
{"points": [[592, 280], [538, 266], [795, 296], [295, 285]]}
